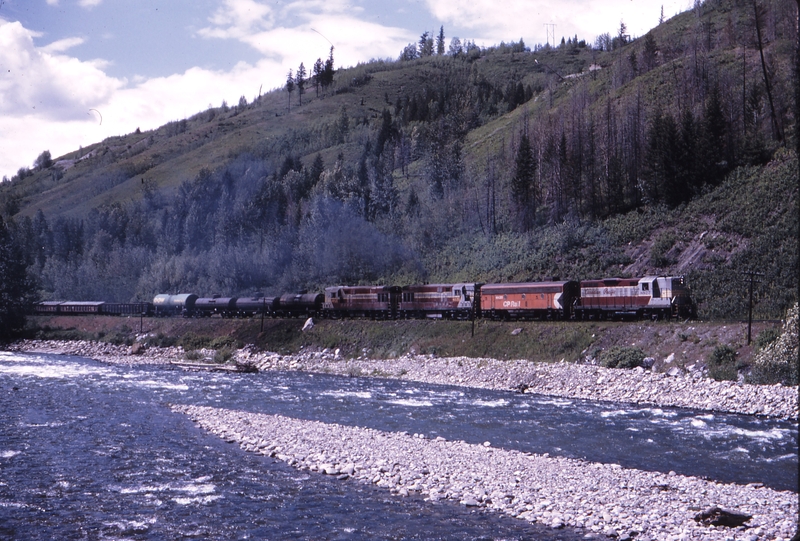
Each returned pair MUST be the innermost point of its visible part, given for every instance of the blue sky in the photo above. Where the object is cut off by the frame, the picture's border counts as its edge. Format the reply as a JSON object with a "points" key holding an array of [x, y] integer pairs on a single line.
{"points": [[143, 63]]}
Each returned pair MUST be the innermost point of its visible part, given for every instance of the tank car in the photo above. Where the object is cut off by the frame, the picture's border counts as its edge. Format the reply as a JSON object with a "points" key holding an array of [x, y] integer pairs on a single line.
{"points": [[445, 301], [650, 297], [209, 306], [253, 306], [174, 305], [299, 305], [528, 300]]}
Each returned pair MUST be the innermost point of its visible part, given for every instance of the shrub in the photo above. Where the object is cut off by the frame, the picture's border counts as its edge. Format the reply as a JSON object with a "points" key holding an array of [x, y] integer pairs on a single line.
{"points": [[193, 355], [622, 357], [223, 355], [766, 337], [722, 364], [117, 338], [190, 341], [777, 361], [225, 342], [160, 341]]}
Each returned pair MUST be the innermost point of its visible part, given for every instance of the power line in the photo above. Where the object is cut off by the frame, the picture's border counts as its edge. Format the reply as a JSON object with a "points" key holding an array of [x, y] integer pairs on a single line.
{"points": [[550, 28]]}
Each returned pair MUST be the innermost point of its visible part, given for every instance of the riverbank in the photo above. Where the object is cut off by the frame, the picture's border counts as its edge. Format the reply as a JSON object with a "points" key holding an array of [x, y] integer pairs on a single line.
{"points": [[605, 500], [568, 380]]}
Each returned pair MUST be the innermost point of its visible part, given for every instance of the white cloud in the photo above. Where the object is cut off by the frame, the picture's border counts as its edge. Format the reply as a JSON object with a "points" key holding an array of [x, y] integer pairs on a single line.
{"points": [[45, 103], [318, 23], [89, 3], [526, 19], [62, 45], [52, 85]]}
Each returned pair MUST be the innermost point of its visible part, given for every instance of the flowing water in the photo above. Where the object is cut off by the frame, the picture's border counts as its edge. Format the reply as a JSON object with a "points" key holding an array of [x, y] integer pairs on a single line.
{"points": [[91, 451]]}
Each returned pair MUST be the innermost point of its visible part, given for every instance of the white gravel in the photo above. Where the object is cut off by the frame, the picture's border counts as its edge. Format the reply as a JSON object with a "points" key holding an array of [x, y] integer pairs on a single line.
{"points": [[603, 499]]}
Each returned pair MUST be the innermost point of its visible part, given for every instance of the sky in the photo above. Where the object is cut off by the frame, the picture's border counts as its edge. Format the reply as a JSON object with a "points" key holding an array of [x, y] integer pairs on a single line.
{"points": [[74, 72]]}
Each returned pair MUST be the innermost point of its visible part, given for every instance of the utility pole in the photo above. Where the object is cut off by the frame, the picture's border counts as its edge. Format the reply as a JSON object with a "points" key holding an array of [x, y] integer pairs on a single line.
{"points": [[752, 276]]}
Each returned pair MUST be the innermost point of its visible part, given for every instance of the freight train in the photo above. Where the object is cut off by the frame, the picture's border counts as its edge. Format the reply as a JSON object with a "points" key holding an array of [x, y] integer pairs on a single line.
{"points": [[650, 297]]}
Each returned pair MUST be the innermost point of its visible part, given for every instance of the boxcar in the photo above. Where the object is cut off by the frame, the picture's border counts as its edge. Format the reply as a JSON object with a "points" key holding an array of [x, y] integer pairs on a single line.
{"points": [[653, 297], [528, 300], [374, 302], [446, 301]]}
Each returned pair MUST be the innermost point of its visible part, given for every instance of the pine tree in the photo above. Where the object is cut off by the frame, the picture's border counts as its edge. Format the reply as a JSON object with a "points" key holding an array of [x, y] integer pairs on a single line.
{"points": [[318, 70], [523, 189], [300, 82], [290, 87], [16, 290], [440, 42]]}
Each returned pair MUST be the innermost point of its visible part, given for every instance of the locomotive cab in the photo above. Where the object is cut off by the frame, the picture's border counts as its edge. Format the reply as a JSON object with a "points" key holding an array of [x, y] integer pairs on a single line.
{"points": [[668, 297]]}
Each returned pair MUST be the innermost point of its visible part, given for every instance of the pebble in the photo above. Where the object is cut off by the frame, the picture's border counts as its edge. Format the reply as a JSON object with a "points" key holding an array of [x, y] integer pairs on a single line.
{"points": [[557, 492]]}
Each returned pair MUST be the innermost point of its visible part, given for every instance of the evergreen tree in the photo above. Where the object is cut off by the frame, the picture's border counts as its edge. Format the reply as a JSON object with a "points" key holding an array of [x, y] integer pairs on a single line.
{"points": [[290, 87], [523, 188], [300, 82], [327, 80], [16, 290], [440, 42], [318, 71]]}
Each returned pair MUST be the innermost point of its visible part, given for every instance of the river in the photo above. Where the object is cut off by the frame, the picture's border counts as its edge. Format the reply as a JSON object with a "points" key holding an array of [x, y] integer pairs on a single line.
{"points": [[91, 451]]}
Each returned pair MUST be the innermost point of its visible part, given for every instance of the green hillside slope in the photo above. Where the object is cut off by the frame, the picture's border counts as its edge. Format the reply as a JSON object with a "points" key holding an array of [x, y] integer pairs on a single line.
{"points": [[665, 153]]}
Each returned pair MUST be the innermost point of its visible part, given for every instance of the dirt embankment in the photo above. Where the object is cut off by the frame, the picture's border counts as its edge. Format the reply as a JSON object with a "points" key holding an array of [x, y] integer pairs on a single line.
{"points": [[685, 345]]}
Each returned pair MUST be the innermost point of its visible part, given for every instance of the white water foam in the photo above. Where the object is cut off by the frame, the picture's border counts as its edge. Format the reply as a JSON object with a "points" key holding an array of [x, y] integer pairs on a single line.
{"points": [[344, 394], [9, 454], [411, 402], [490, 403]]}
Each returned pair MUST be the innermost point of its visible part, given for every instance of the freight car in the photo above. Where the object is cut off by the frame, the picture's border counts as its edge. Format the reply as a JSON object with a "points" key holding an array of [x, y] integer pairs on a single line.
{"points": [[216, 305], [256, 305], [127, 308], [302, 304], [174, 305], [528, 300]]}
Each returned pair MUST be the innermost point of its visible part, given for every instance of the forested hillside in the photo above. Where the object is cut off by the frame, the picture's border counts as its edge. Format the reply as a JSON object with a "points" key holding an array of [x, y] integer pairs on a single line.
{"points": [[669, 153]]}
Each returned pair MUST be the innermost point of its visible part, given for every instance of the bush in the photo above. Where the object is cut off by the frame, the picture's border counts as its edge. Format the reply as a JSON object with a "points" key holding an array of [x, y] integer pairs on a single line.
{"points": [[223, 355], [118, 338], [191, 341], [622, 357], [722, 364], [766, 337], [160, 341], [777, 361], [193, 355], [223, 342]]}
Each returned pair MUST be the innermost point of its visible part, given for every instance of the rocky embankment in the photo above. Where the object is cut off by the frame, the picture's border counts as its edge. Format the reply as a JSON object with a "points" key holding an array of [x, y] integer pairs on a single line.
{"points": [[606, 500], [557, 379]]}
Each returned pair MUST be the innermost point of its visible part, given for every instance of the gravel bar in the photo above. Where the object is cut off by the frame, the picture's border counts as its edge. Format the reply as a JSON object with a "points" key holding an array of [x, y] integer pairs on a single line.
{"points": [[605, 500]]}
